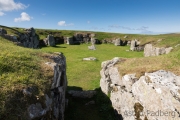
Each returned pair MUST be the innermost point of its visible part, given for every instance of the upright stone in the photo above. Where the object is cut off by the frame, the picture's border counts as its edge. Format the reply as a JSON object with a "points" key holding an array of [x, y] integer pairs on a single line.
{"points": [[51, 41], [117, 42], [69, 41], [133, 45], [93, 41]]}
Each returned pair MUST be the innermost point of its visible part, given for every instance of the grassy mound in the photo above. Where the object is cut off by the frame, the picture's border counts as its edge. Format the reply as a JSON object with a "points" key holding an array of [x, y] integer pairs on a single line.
{"points": [[20, 68]]}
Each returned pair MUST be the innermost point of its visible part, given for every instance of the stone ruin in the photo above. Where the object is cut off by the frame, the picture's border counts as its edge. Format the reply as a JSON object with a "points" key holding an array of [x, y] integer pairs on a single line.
{"points": [[119, 42], [50, 41], [150, 50], [135, 45], [80, 38], [77, 39], [93, 41], [54, 104], [29, 38], [4, 34], [69, 41], [141, 98]]}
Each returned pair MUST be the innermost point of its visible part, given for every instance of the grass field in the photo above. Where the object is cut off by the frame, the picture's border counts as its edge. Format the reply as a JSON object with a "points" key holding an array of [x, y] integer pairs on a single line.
{"points": [[22, 67], [85, 74]]}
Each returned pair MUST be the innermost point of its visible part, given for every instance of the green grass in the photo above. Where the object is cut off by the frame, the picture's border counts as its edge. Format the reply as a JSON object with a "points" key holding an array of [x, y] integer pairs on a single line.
{"points": [[22, 67], [85, 74], [19, 68]]}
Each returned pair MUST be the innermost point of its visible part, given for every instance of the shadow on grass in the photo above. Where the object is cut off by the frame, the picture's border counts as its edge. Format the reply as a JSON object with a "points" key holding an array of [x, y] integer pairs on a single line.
{"points": [[101, 110], [14, 105], [59, 47]]}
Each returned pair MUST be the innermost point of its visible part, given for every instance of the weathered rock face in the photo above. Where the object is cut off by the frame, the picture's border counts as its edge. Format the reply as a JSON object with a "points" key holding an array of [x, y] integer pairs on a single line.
{"points": [[51, 40], [117, 42], [154, 96], [78, 37], [29, 39], [135, 45], [93, 41], [55, 103], [69, 41], [150, 50]]}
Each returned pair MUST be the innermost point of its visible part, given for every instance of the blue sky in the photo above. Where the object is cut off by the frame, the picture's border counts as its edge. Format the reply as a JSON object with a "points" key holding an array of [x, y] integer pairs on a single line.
{"points": [[121, 16]]}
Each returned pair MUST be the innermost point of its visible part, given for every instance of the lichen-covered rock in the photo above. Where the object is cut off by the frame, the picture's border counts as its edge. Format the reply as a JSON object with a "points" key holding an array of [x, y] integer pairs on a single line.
{"points": [[117, 42], [133, 45], [150, 50], [153, 96]]}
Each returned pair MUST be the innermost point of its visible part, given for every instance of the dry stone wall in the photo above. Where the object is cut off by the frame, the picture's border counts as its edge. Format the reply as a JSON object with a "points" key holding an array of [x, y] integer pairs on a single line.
{"points": [[150, 50], [153, 96], [54, 103], [27, 39]]}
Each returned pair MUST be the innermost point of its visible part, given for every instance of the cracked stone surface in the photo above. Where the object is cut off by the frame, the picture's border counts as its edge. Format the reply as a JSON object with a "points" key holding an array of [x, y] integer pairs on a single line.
{"points": [[158, 93]]}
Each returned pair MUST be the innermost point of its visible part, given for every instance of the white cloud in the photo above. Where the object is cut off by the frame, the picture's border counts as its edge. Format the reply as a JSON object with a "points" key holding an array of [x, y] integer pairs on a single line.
{"points": [[24, 17], [1, 13], [9, 5], [88, 22], [63, 23], [44, 14]]}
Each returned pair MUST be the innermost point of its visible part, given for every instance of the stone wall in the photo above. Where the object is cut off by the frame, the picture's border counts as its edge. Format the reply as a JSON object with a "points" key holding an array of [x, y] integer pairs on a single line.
{"points": [[54, 103], [153, 96], [27, 39], [150, 50]]}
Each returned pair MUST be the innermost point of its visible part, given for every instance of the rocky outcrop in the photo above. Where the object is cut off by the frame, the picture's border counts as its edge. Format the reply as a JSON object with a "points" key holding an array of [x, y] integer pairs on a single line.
{"points": [[150, 50], [54, 103], [29, 38], [153, 96]]}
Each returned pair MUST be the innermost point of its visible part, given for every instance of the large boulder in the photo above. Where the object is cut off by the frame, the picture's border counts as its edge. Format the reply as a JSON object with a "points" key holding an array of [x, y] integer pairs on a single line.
{"points": [[153, 96]]}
